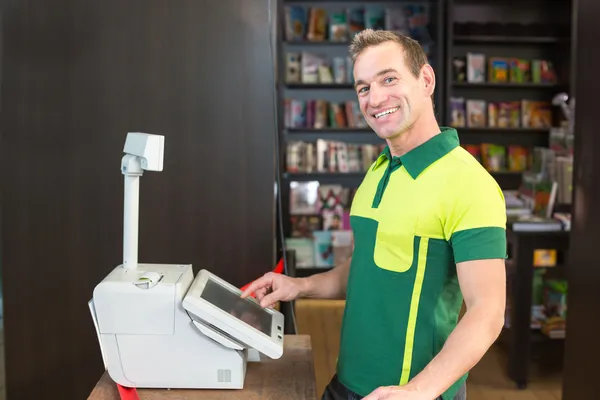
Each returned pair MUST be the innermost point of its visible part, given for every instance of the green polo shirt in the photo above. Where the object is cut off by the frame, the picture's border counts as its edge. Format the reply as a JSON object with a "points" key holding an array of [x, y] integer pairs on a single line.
{"points": [[413, 218]]}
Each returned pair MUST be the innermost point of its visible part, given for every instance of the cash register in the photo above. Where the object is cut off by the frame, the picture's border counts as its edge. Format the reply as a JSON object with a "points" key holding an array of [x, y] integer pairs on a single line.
{"points": [[158, 325]]}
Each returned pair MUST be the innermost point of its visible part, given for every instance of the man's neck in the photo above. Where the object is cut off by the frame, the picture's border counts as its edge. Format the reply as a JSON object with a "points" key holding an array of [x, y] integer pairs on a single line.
{"points": [[415, 136]]}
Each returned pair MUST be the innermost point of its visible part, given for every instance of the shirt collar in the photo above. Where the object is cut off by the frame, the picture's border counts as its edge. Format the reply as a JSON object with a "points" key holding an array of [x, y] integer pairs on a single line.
{"points": [[421, 157]]}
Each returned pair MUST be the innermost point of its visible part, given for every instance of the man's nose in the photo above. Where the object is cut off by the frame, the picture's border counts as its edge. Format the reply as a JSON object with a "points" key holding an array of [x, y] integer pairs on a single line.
{"points": [[377, 96]]}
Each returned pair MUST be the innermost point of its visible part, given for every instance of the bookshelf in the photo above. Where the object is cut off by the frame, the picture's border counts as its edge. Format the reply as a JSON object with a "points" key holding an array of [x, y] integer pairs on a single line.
{"points": [[522, 116], [454, 29], [502, 114], [303, 86]]}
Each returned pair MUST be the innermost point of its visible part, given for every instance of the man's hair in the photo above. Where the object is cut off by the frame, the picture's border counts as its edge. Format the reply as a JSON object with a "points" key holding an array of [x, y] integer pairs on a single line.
{"points": [[414, 53]]}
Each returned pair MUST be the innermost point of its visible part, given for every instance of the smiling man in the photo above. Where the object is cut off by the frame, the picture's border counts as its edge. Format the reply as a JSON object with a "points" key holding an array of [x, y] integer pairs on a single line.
{"points": [[429, 228], [429, 232]]}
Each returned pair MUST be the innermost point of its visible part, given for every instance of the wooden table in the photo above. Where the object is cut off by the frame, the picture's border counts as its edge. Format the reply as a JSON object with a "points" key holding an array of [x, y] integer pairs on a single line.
{"points": [[290, 377]]}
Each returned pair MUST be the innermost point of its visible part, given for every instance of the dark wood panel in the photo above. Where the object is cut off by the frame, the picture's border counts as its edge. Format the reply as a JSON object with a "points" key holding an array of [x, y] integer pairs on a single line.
{"points": [[582, 348], [77, 76]]}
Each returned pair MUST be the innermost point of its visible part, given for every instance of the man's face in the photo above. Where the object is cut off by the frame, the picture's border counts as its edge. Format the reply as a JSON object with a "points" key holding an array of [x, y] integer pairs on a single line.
{"points": [[390, 96]]}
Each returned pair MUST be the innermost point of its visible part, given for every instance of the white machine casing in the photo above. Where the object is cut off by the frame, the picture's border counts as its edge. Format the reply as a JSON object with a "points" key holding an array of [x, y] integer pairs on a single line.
{"points": [[147, 338]]}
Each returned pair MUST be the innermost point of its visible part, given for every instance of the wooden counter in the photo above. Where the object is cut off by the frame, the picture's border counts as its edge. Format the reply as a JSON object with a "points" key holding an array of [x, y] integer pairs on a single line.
{"points": [[290, 377]]}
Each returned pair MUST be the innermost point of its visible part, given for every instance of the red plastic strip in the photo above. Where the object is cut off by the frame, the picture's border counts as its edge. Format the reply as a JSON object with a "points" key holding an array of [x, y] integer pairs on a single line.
{"points": [[128, 393]]}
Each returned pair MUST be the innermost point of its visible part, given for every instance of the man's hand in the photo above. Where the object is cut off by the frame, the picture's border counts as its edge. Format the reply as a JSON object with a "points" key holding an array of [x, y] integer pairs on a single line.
{"points": [[272, 287], [395, 393]]}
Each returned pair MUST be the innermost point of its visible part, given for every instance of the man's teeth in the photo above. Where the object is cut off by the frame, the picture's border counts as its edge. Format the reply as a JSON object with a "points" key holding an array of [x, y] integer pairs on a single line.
{"points": [[390, 111]]}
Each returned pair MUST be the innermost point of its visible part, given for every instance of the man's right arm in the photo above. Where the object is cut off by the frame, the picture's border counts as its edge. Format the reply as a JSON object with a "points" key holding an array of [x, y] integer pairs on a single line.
{"points": [[327, 285], [271, 287]]}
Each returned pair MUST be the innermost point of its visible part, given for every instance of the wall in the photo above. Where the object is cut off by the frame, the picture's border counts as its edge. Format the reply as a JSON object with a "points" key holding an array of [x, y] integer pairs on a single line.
{"points": [[582, 350], [76, 77]]}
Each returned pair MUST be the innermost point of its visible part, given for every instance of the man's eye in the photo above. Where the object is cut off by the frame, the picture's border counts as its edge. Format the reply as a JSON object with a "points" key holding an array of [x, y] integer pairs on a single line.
{"points": [[362, 89], [389, 80]]}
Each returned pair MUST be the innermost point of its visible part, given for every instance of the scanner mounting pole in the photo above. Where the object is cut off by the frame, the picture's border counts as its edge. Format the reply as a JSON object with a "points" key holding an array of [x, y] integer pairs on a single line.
{"points": [[132, 171], [143, 151]]}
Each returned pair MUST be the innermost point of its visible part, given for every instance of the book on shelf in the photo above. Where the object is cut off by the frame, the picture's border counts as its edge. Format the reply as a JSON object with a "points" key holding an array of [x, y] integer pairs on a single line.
{"points": [[545, 185], [304, 249], [555, 293], [550, 176], [308, 67], [527, 214], [534, 223], [316, 24], [561, 148], [330, 156], [321, 114], [475, 64], [477, 68], [320, 223], [501, 158], [516, 206], [304, 200], [478, 113], [312, 198], [564, 179], [323, 249], [549, 305]]}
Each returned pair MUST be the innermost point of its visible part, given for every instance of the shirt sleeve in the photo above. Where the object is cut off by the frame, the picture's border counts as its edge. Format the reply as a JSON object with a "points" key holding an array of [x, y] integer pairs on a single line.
{"points": [[475, 223]]}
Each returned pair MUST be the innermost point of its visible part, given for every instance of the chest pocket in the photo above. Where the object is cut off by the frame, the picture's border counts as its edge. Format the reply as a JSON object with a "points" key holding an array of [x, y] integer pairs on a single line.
{"points": [[395, 237]]}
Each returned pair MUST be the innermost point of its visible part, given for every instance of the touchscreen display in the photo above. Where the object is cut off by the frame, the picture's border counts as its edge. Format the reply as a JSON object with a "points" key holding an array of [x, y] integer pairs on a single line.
{"points": [[244, 309]]}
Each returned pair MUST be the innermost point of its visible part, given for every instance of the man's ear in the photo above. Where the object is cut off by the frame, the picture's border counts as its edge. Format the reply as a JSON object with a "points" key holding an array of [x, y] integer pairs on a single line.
{"points": [[428, 77]]}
